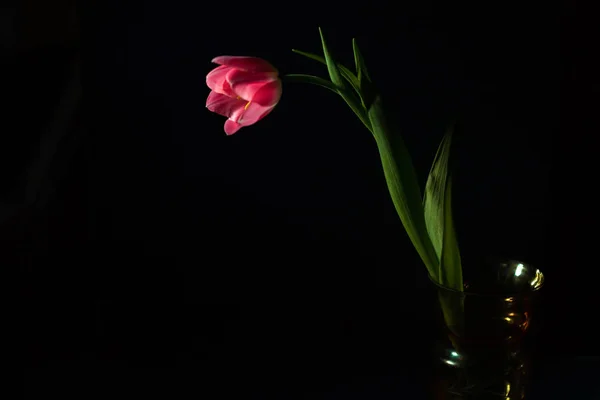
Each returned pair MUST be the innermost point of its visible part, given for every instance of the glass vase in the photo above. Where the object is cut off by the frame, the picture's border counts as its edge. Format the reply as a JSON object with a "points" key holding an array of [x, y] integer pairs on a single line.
{"points": [[481, 351]]}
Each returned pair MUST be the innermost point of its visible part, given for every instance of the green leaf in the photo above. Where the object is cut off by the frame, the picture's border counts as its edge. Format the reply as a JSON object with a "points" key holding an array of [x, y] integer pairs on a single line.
{"points": [[450, 261], [345, 72], [334, 72], [336, 77], [361, 68], [350, 98], [437, 204], [403, 186], [453, 310], [315, 80], [365, 87]]}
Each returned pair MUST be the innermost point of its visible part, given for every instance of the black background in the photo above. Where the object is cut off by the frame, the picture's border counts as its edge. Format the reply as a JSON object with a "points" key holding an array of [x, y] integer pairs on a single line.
{"points": [[273, 261]]}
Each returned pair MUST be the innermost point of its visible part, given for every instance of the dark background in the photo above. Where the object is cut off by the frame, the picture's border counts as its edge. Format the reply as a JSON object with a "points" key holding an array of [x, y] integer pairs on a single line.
{"points": [[273, 261]]}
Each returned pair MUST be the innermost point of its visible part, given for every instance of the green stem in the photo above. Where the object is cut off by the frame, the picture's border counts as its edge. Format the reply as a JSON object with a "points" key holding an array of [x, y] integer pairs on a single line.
{"points": [[403, 186]]}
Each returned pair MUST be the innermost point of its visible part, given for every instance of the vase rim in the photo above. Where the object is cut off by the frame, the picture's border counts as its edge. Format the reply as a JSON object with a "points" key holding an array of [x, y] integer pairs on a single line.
{"points": [[529, 279]]}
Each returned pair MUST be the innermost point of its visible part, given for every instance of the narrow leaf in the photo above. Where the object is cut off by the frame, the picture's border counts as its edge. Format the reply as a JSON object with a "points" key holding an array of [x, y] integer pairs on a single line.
{"points": [[450, 262], [453, 309], [356, 60], [334, 72], [348, 97], [315, 80], [361, 68], [346, 73], [440, 225], [365, 87], [437, 204]]}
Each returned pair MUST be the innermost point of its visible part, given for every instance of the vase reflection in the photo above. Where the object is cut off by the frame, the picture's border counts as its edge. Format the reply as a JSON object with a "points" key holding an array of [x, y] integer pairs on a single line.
{"points": [[494, 374]]}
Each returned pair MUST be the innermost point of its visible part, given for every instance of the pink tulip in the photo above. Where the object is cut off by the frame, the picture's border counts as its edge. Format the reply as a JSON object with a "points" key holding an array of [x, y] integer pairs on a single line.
{"points": [[243, 89]]}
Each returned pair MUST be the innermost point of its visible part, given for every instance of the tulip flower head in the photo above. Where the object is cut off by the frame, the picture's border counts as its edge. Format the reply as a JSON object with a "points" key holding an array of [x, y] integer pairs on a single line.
{"points": [[243, 89]]}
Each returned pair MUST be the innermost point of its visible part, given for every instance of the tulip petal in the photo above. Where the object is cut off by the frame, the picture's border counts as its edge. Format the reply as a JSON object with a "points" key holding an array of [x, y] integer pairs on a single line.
{"points": [[263, 88], [252, 64], [217, 80], [232, 127], [226, 106], [268, 95], [253, 113]]}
